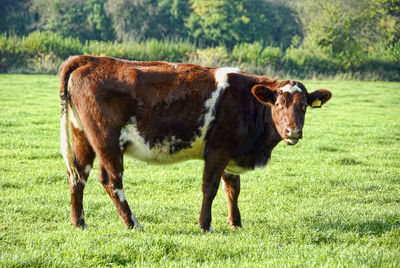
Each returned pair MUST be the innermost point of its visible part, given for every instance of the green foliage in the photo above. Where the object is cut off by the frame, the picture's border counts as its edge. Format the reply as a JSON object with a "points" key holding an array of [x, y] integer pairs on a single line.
{"points": [[256, 54], [229, 22], [346, 31], [336, 37], [394, 52], [150, 50], [99, 21], [330, 201], [46, 63], [11, 53], [218, 22], [67, 18], [43, 51], [48, 42], [15, 17], [86, 20], [301, 62], [213, 56], [142, 19]]}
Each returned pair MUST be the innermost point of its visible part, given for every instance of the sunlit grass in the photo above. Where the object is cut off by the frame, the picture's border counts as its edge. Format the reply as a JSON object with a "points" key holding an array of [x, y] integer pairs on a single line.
{"points": [[333, 199]]}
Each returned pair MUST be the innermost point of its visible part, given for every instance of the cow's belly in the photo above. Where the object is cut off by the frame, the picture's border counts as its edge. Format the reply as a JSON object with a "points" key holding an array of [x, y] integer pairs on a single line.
{"points": [[163, 152], [235, 169]]}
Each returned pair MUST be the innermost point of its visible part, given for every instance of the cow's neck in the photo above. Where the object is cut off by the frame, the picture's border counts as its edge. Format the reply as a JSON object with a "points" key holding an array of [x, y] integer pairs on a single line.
{"points": [[260, 148]]}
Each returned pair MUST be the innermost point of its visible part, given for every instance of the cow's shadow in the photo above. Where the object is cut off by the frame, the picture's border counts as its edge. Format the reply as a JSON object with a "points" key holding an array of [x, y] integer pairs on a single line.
{"points": [[370, 227]]}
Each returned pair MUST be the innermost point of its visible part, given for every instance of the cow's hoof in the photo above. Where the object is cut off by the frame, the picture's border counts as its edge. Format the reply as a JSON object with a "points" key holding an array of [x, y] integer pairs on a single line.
{"points": [[235, 227], [210, 229], [79, 225], [136, 227], [139, 228]]}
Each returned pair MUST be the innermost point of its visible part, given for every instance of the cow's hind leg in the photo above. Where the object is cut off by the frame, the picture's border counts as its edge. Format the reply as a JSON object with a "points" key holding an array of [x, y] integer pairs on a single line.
{"points": [[111, 177], [83, 160], [232, 190]]}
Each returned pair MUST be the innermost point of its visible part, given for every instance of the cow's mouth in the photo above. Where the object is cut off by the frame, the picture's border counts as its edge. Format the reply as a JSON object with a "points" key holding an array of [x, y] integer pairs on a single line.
{"points": [[291, 141]]}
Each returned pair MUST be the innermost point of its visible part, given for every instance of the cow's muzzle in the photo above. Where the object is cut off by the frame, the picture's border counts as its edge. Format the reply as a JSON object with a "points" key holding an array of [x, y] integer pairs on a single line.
{"points": [[293, 136]]}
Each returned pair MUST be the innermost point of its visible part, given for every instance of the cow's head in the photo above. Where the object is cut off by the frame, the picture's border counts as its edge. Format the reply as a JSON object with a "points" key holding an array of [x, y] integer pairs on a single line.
{"points": [[288, 107]]}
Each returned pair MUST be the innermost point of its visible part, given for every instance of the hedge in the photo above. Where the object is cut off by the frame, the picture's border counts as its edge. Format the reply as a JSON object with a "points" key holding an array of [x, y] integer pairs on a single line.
{"points": [[43, 52]]}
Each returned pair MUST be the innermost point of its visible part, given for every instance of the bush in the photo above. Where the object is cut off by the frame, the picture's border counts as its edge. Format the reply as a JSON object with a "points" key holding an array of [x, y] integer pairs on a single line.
{"points": [[303, 63], [44, 51], [255, 54], [46, 63], [150, 50], [394, 52], [271, 55], [214, 56], [11, 53], [48, 42], [165, 50]]}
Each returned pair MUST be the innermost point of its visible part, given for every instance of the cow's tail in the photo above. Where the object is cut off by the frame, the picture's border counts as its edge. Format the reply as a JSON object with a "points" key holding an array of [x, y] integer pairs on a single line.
{"points": [[64, 73]]}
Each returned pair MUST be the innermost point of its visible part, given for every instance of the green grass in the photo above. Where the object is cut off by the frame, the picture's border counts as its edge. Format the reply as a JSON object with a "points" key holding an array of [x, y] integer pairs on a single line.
{"points": [[331, 200]]}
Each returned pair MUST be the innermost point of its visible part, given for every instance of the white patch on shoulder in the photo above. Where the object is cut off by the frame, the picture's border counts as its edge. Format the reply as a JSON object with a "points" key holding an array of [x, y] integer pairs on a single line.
{"points": [[121, 195], [291, 89], [161, 153], [221, 76]]}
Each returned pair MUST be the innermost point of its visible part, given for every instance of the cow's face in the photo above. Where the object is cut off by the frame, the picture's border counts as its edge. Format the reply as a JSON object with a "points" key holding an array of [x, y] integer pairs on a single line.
{"points": [[288, 107]]}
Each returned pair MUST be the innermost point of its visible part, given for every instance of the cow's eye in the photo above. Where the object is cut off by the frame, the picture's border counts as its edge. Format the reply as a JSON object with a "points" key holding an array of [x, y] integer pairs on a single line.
{"points": [[278, 105]]}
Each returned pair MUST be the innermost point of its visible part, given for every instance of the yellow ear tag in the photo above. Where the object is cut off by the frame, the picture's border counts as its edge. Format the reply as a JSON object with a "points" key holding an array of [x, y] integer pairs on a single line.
{"points": [[316, 103]]}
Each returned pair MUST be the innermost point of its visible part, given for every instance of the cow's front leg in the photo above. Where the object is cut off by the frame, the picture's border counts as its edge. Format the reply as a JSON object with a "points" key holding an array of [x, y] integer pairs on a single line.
{"points": [[213, 168], [232, 190], [110, 176]]}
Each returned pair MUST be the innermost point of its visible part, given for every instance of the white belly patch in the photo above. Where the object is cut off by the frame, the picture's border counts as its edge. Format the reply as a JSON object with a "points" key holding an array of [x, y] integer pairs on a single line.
{"points": [[160, 153]]}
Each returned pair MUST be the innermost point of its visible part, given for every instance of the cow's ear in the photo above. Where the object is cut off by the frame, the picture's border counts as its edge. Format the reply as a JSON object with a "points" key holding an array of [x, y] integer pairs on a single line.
{"points": [[263, 94], [319, 97]]}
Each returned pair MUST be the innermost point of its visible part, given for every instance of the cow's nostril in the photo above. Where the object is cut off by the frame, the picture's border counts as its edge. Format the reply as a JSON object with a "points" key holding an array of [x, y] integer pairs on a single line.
{"points": [[293, 133]]}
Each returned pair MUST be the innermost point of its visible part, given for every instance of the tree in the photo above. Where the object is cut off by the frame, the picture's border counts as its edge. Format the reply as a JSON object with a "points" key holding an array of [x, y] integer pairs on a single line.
{"points": [[144, 19], [228, 22], [84, 19], [391, 19], [67, 18], [100, 23], [15, 17], [346, 31]]}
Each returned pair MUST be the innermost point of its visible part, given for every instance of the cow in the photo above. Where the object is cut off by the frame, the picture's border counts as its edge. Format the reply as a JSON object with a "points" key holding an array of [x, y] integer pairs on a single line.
{"points": [[162, 113]]}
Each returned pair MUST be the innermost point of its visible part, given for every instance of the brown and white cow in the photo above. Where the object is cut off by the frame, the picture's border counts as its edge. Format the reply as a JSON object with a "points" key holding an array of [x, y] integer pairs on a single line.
{"points": [[161, 112]]}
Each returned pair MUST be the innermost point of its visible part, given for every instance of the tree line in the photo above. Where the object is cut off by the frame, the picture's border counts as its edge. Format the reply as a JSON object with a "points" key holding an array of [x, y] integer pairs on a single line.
{"points": [[343, 35], [205, 22]]}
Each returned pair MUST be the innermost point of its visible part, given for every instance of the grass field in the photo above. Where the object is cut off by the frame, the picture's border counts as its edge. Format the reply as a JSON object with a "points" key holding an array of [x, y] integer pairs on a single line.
{"points": [[331, 200]]}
